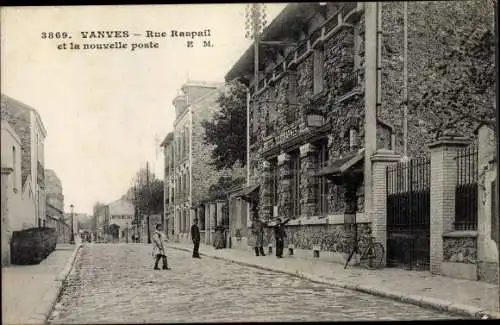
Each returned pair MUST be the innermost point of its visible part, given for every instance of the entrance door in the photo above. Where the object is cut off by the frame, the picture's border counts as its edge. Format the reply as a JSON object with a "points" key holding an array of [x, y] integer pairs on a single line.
{"points": [[408, 214]]}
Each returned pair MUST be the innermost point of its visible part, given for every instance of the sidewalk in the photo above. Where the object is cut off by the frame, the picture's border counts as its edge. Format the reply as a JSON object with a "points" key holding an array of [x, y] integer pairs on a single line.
{"points": [[469, 298], [30, 291]]}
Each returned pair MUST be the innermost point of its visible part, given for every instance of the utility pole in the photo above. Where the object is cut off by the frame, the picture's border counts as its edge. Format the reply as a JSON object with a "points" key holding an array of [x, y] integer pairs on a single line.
{"points": [[149, 201]]}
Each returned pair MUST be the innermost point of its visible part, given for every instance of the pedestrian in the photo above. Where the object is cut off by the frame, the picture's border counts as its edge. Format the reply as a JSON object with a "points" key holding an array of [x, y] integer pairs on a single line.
{"points": [[159, 249], [280, 235], [195, 237], [259, 238]]}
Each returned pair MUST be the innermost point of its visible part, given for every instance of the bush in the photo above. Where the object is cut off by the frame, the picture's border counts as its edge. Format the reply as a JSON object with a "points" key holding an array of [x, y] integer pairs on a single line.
{"points": [[33, 245]]}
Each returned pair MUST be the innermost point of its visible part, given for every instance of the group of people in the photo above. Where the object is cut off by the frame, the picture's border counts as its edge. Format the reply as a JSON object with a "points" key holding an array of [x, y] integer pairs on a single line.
{"points": [[279, 235], [159, 239]]}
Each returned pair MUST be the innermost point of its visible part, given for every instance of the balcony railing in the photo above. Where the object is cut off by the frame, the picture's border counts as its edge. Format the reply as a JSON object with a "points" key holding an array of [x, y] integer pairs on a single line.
{"points": [[350, 82]]}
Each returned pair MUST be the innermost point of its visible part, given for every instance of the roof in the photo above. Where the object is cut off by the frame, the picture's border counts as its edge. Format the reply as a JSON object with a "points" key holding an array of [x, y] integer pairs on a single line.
{"points": [[9, 100], [168, 139], [279, 27], [342, 165], [248, 192], [205, 84]]}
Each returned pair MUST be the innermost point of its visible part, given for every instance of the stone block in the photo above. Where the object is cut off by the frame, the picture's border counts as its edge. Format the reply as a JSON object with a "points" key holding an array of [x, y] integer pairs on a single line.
{"points": [[459, 270]]}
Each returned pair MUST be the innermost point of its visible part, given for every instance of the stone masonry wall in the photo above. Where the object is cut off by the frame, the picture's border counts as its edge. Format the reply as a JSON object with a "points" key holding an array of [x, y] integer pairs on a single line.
{"points": [[460, 250], [204, 175], [19, 119], [427, 21], [331, 238]]}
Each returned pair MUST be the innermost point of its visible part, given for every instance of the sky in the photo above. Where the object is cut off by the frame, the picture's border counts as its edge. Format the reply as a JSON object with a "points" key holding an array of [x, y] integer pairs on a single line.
{"points": [[106, 111]]}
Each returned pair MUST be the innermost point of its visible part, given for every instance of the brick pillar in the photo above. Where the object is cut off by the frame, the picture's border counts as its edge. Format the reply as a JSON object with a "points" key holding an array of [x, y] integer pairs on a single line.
{"points": [[443, 182], [265, 208], [307, 180], [379, 161], [219, 205], [284, 184]]}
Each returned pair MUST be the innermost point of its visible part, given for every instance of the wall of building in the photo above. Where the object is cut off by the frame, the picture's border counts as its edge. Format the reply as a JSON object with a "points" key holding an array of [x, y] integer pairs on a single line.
{"points": [[20, 199], [428, 22], [29, 127], [53, 190]]}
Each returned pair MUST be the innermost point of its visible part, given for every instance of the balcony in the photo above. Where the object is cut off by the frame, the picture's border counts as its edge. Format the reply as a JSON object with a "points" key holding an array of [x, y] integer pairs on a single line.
{"points": [[350, 82]]}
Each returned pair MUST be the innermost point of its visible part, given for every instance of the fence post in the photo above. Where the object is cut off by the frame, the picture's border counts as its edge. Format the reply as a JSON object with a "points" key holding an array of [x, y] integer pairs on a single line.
{"points": [[487, 248], [380, 160], [443, 182]]}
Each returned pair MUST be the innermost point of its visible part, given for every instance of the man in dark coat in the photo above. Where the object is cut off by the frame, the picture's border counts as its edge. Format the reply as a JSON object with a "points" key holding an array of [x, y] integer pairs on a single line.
{"points": [[280, 235], [195, 236]]}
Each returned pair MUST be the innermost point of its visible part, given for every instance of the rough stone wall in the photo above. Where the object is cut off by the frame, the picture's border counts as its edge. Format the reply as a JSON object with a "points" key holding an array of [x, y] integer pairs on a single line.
{"points": [[460, 250], [426, 21], [53, 190], [204, 175], [19, 118], [331, 238]]}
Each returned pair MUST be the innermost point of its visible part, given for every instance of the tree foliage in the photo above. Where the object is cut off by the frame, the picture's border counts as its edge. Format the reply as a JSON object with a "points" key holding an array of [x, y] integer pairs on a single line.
{"points": [[457, 89], [146, 192], [227, 130]]}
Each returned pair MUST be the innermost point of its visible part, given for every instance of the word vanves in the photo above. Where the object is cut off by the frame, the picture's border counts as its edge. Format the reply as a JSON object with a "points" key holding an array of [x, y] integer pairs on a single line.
{"points": [[105, 34], [179, 34]]}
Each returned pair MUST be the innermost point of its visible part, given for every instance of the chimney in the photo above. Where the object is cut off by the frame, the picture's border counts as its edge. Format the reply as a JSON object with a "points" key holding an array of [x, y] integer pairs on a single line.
{"points": [[179, 103]]}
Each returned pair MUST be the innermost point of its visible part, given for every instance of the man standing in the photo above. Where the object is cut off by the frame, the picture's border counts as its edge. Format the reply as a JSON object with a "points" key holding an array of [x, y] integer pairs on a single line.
{"points": [[195, 236], [280, 235], [158, 248]]}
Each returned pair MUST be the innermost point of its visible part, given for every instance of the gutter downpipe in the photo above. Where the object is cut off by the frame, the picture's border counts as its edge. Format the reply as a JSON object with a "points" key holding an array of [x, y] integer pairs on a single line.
{"points": [[405, 82]]}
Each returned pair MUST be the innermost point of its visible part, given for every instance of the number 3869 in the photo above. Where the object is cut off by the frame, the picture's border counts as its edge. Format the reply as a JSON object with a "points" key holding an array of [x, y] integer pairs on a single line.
{"points": [[52, 35]]}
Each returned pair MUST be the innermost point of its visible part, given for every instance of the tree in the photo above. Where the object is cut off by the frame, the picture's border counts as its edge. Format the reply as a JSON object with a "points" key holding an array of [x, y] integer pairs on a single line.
{"points": [[458, 86], [227, 131], [97, 211], [147, 192]]}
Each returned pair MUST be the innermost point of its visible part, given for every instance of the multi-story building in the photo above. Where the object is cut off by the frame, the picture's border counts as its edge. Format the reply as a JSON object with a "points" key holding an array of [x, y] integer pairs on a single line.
{"points": [[168, 183], [330, 101], [18, 204], [28, 125], [55, 205], [188, 174], [54, 193]]}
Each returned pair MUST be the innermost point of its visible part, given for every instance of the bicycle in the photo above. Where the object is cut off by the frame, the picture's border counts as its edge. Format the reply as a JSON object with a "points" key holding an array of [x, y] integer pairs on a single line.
{"points": [[373, 252]]}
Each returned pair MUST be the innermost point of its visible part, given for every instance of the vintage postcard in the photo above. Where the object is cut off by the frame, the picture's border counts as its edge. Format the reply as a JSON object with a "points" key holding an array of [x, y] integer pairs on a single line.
{"points": [[249, 162]]}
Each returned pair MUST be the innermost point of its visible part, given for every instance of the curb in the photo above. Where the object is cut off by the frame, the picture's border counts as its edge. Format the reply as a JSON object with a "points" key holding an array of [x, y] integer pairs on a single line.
{"points": [[50, 297], [426, 302]]}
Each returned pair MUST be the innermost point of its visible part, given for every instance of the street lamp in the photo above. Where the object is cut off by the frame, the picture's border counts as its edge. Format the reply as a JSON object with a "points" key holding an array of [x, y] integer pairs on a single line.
{"points": [[72, 234]]}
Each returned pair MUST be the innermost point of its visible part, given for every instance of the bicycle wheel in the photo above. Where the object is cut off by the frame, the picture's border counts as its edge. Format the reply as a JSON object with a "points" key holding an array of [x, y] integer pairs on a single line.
{"points": [[376, 256]]}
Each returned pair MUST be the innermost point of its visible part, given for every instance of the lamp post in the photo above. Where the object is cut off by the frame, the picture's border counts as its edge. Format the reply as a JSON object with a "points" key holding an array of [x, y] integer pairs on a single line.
{"points": [[72, 232]]}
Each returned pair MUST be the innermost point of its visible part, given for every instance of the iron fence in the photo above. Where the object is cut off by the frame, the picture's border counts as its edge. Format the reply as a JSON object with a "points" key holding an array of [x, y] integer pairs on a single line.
{"points": [[466, 190], [408, 214]]}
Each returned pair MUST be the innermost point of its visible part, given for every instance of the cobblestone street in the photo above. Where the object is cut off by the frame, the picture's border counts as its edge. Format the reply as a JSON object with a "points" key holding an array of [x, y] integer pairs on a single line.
{"points": [[116, 283]]}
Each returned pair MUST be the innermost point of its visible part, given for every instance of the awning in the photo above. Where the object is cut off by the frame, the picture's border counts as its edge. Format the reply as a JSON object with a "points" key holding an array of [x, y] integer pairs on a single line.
{"points": [[342, 165], [247, 193]]}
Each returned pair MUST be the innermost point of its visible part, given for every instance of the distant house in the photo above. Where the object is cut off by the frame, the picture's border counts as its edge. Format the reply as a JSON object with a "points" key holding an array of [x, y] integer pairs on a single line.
{"points": [[120, 214]]}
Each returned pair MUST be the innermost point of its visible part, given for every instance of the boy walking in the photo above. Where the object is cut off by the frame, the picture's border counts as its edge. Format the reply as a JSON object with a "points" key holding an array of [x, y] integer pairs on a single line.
{"points": [[158, 248]]}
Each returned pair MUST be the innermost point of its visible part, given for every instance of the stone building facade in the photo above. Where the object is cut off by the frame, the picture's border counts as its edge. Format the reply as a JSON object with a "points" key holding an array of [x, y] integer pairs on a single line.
{"points": [[28, 125], [188, 174], [54, 191], [326, 115]]}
